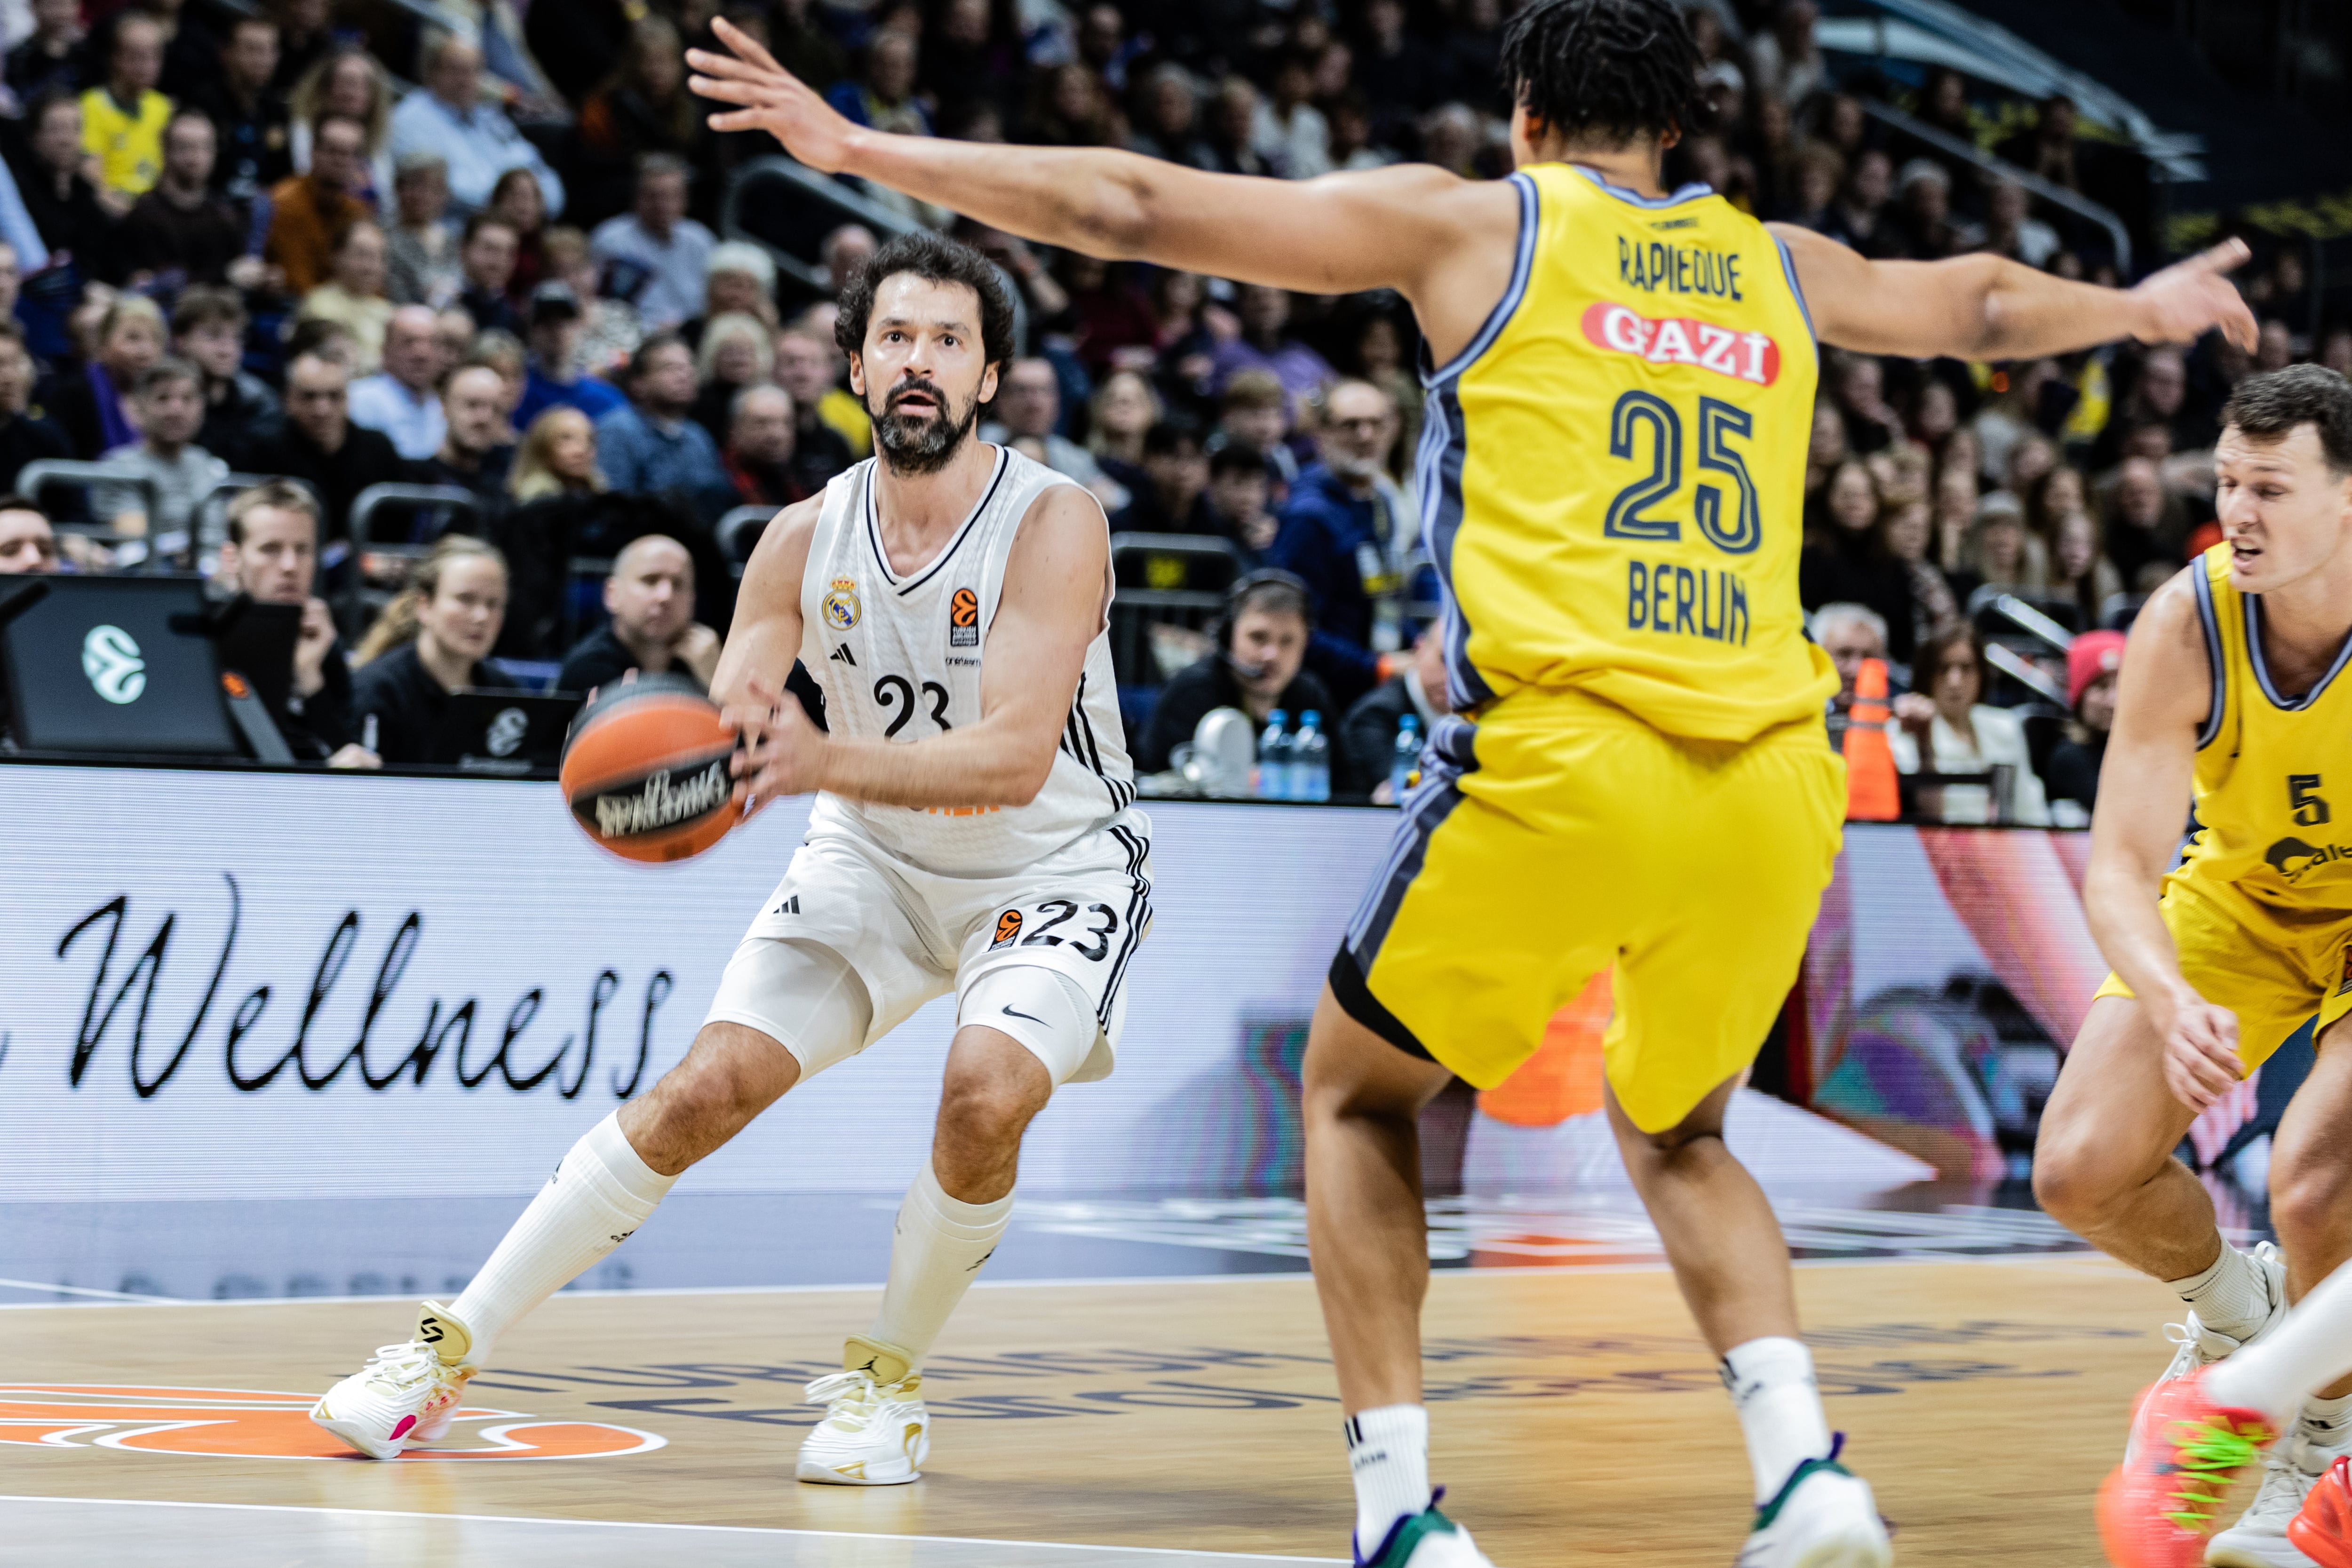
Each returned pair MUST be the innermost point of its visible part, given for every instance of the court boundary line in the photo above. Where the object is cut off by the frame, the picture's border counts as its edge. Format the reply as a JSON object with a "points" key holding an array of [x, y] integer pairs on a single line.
{"points": [[654, 1524], [122, 1300]]}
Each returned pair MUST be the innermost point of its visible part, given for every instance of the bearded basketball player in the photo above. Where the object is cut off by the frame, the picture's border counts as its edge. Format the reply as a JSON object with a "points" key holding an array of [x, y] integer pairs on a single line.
{"points": [[973, 833]]}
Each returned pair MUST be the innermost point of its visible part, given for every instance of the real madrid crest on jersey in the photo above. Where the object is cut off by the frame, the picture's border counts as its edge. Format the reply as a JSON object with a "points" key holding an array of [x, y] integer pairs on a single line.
{"points": [[841, 604]]}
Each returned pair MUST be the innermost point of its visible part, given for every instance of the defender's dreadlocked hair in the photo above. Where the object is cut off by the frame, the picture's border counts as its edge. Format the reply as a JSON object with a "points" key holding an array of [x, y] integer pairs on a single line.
{"points": [[1621, 69]]}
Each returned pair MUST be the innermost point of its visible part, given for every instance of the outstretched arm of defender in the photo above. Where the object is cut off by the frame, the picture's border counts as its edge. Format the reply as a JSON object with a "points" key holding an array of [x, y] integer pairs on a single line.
{"points": [[1056, 590], [1340, 234], [1989, 307], [2146, 784]]}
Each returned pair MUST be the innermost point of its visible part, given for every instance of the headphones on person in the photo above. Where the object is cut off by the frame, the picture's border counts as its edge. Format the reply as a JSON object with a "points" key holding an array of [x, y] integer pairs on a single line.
{"points": [[1243, 587]]}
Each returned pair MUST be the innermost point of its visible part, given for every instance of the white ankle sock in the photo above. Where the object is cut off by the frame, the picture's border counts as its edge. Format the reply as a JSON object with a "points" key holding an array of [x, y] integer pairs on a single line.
{"points": [[2232, 1296], [938, 1246], [1771, 1386], [599, 1193], [1387, 1453], [2327, 1423], [2309, 1350]]}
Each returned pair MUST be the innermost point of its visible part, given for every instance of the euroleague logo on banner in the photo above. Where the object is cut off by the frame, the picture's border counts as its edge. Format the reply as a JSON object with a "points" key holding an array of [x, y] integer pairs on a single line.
{"points": [[1751, 357], [259, 1424]]}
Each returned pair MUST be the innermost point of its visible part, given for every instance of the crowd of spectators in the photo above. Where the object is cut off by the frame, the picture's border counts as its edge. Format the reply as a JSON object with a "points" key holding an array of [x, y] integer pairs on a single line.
{"points": [[326, 243]]}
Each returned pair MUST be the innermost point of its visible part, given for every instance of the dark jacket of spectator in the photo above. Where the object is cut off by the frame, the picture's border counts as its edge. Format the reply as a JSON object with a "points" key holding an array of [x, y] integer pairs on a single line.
{"points": [[366, 459], [160, 236], [33, 71], [25, 438], [2073, 771], [406, 703], [1367, 737], [1207, 683], [239, 415], [600, 659], [488, 482], [71, 221], [1325, 527], [777, 484], [491, 312], [1838, 567], [73, 402], [257, 144]]}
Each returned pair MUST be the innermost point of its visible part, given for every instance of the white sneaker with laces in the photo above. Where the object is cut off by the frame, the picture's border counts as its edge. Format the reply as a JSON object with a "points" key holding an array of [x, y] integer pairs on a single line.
{"points": [[2259, 1538], [1427, 1540], [1822, 1517], [874, 1432], [2195, 1346], [406, 1393]]}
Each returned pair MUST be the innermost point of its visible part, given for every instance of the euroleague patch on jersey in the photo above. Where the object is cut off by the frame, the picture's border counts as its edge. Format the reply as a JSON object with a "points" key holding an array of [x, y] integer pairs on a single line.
{"points": [[1008, 926], [841, 604], [963, 619], [1751, 357]]}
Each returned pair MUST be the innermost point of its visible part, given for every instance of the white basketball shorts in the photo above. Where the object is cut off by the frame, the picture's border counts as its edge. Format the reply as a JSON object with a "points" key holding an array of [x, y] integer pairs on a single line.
{"points": [[1052, 944]]}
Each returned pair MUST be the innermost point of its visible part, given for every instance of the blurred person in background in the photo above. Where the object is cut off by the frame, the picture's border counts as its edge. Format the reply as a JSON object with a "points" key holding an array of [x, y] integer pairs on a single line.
{"points": [[1027, 413], [1964, 734], [557, 457], [456, 331], [641, 107], [1237, 508], [1348, 534], [610, 329], [650, 446], [2003, 553], [476, 453], [486, 263], [319, 445], [54, 57], [271, 556], [256, 149], [1266, 343], [503, 354], [1905, 537], [2080, 571], [1850, 634], [1176, 483], [61, 201], [401, 399], [208, 330], [667, 252], [309, 212], [353, 294], [517, 202], [1368, 734], [1124, 410], [1255, 411], [738, 279], [91, 406], [304, 38], [182, 232], [28, 544], [763, 454], [346, 81], [25, 437], [430, 642], [421, 246], [554, 380], [737, 351], [1258, 665], [2148, 525], [2074, 767], [122, 117], [169, 409], [475, 140], [842, 251], [806, 366], [652, 629]]}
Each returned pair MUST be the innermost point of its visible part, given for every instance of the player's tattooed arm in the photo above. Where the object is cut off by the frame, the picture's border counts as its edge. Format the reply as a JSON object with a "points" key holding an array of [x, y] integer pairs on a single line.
{"points": [[2164, 697], [1057, 591], [1989, 307]]}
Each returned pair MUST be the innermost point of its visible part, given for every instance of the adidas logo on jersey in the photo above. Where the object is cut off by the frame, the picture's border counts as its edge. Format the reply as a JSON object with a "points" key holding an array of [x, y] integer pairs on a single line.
{"points": [[791, 906], [842, 656]]}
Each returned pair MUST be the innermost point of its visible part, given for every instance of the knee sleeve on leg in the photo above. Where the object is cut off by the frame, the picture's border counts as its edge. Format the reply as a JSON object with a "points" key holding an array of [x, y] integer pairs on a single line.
{"points": [[802, 994], [1043, 1008]]}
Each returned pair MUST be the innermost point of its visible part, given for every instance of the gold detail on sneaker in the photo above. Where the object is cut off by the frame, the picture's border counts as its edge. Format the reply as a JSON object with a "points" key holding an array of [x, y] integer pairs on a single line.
{"points": [[886, 1362], [451, 1340]]}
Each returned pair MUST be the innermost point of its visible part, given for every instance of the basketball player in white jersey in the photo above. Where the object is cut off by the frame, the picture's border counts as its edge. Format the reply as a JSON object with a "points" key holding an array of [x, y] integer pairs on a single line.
{"points": [[974, 832]]}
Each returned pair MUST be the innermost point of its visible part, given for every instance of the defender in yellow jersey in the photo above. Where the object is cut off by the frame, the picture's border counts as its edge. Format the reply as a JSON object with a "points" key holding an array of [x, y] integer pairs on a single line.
{"points": [[1620, 387], [2232, 694]]}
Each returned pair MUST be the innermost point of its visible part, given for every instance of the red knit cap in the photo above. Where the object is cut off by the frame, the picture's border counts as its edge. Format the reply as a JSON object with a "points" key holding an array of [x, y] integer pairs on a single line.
{"points": [[2094, 654]]}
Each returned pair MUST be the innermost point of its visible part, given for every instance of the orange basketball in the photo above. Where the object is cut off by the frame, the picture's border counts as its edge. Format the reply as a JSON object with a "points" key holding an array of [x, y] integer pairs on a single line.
{"points": [[645, 770]]}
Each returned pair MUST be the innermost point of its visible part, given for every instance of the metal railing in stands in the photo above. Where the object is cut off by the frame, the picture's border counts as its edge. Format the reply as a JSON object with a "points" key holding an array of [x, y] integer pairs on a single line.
{"points": [[739, 532], [2025, 673], [841, 205], [2000, 169], [374, 499], [1135, 611], [2022, 614], [46, 473]]}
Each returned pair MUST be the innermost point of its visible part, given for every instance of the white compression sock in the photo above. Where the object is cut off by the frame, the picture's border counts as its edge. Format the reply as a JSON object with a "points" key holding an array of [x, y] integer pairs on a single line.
{"points": [[2232, 1296], [938, 1248], [2309, 1350], [1771, 1386], [600, 1194], [1387, 1453]]}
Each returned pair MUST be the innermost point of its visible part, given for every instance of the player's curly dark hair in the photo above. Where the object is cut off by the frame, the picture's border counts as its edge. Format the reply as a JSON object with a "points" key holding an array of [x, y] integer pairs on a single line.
{"points": [[1624, 70], [936, 259]]}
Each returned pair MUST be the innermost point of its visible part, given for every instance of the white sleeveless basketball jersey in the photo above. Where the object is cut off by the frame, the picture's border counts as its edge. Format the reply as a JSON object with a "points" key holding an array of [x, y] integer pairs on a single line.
{"points": [[901, 658]]}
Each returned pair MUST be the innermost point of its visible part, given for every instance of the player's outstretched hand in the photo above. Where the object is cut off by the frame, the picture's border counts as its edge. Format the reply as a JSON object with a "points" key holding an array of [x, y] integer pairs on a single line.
{"points": [[2178, 304], [2201, 1055], [771, 98], [782, 752]]}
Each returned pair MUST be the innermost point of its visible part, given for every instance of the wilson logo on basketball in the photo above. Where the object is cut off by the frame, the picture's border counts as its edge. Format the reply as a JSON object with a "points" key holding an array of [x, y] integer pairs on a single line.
{"points": [[257, 1424], [963, 619], [1008, 926], [1751, 357]]}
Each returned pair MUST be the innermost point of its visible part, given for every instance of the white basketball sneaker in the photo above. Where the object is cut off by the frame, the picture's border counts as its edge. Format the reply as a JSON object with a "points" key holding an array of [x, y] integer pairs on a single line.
{"points": [[874, 1432], [2195, 1346], [407, 1395], [1427, 1540], [1824, 1516], [2259, 1538]]}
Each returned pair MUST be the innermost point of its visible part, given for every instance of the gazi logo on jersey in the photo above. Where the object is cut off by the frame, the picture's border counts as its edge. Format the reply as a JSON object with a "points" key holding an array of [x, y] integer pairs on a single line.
{"points": [[963, 619], [1752, 357]]}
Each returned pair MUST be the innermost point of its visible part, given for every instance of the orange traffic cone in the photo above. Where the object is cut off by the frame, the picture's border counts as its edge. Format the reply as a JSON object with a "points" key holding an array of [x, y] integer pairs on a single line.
{"points": [[1871, 794]]}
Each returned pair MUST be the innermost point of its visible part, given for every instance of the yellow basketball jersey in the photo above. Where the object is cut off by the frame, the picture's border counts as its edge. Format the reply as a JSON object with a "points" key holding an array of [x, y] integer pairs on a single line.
{"points": [[2271, 770], [1612, 471]]}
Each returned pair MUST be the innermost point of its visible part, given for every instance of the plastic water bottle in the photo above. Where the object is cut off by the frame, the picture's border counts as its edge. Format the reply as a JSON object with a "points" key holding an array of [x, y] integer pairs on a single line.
{"points": [[1404, 756], [1271, 779], [1311, 766]]}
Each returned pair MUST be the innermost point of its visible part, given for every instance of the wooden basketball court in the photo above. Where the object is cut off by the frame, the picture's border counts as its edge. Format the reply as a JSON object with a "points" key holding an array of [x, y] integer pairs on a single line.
{"points": [[1576, 1418]]}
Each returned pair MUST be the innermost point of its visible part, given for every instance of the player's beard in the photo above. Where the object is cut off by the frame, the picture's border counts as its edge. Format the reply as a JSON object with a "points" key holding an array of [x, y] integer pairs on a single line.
{"points": [[922, 444]]}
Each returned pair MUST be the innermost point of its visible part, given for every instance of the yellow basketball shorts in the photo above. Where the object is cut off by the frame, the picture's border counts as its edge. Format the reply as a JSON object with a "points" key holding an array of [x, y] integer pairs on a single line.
{"points": [[2273, 969], [1559, 835]]}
